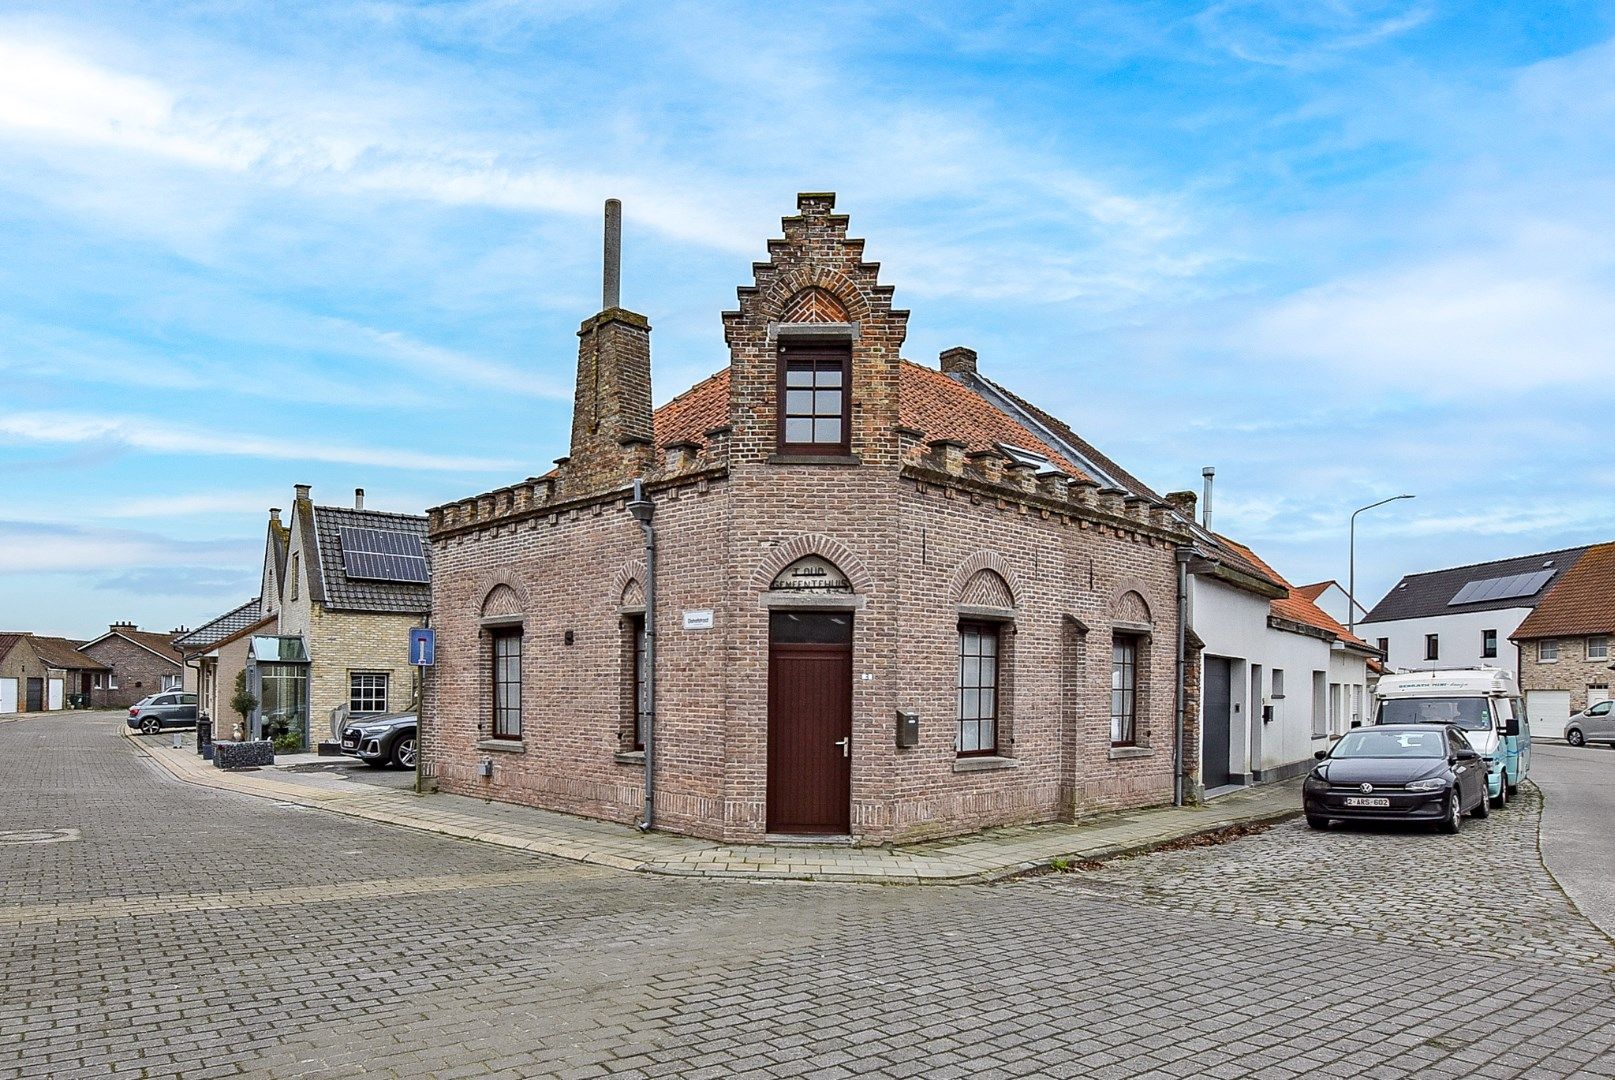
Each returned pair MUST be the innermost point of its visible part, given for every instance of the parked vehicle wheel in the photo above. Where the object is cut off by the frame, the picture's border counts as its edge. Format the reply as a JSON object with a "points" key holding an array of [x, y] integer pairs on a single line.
{"points": [[150, 726], [1575, 738], [1502, 793], [404, 752], [1455, 814], [1319, 823], [1483, 806]]}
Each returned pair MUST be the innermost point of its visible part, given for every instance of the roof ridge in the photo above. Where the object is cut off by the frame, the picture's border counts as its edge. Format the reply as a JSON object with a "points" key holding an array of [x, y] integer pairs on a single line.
{"points": [[367, 510], [1504, 559]]}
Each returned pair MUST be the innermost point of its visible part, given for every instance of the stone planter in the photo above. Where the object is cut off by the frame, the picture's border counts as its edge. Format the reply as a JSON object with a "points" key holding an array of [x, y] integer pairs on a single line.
{"points": [[237, 755]]}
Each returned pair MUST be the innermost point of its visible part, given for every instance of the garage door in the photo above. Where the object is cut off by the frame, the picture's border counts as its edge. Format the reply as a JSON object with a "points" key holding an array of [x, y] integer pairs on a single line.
{"points": [[53, 698], [1549, 711], [8, 695]]}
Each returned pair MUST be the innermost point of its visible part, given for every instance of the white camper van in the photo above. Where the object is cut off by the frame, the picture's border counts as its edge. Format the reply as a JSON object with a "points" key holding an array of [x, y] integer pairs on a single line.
{"points": [[1484, 702]]}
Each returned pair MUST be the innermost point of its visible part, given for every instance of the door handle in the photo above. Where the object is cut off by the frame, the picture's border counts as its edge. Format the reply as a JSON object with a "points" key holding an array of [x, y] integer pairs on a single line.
{"points": [[846, 746]]}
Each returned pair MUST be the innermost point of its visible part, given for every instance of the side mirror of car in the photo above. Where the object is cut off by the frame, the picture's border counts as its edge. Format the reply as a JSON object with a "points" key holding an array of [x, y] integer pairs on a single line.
{"points": [[1464, 754], [1320, 754]]}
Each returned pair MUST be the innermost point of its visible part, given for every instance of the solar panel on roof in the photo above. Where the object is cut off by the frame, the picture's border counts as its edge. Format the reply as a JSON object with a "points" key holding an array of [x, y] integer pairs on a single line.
{"points": [[383, 555], [1501, 588]]}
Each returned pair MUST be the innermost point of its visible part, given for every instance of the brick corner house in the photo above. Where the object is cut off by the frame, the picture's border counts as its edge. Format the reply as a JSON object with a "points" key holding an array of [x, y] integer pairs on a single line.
{"points": [[826, 591]]}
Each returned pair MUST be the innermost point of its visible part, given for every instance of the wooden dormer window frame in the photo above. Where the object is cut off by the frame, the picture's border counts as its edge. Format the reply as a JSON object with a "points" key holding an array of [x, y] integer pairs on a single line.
{"points": [[814, 396]]}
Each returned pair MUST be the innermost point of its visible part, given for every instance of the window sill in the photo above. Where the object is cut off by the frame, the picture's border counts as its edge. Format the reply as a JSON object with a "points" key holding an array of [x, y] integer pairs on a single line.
{"points": [[629, 757], [503, 746], [984, 764], [1128, 753], [815, 459]]}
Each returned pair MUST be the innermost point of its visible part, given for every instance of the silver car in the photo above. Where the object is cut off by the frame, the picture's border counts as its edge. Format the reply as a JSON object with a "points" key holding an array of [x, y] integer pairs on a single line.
{"points": [[171, 708], [1594, 724]]}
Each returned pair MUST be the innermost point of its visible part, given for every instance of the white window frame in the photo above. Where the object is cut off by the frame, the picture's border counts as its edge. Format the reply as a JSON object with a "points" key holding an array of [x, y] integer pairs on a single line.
{"points": [[353, 691], [1547, 651], [1603, 647]]}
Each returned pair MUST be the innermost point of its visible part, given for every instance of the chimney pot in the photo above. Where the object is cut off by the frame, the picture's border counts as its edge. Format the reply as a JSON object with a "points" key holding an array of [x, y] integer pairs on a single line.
{"points": [[611, 281], [958, 360], [274, 514], [358, 498], [303, 490]]}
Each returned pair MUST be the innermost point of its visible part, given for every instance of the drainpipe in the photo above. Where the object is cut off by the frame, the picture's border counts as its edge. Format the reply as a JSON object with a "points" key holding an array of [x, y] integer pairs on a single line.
{"points": [[1184, 554], [643, 509]]}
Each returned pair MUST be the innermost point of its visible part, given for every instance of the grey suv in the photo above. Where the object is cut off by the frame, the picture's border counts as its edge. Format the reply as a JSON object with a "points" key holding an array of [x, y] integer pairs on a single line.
{"points": [[171, 708]]}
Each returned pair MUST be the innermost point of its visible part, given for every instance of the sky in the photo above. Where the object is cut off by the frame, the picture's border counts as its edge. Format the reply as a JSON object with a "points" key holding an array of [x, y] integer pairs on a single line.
{"points": [[1339, 250]]}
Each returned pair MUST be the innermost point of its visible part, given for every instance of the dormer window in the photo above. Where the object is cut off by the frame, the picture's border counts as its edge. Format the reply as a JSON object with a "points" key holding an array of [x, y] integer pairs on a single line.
{"points": [[815, 406]]}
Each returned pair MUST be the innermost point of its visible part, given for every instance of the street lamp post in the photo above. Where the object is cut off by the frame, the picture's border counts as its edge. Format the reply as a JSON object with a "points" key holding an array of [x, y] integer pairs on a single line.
{"points": [[1351, 560]]}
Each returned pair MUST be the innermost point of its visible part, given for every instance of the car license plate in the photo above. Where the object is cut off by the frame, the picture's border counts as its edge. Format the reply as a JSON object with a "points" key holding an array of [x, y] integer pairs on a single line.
{"points": [[1368, 803]]}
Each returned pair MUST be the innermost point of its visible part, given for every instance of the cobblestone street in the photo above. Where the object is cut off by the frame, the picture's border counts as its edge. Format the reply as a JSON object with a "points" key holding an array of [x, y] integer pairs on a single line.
{"points": [[169, 929]]}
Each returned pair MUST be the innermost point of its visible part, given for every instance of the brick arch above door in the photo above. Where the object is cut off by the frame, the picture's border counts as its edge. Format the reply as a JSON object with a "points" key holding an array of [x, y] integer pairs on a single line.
{"points": [[825, 547]]}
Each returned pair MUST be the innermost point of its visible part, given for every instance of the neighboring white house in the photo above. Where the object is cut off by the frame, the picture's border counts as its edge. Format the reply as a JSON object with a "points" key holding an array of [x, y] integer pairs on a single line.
{"points": [[1279, 675], [1463, 616]]}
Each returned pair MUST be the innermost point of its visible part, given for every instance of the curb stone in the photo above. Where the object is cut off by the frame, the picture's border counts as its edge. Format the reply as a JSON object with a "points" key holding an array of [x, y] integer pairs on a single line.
{"points": [[576, 850]]}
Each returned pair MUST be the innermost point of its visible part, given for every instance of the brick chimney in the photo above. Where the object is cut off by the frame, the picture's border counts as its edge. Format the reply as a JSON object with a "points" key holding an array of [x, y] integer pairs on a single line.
{"points": [[958, 360], [1183, 502], [115, 627], [274, 514], [612, 435]]}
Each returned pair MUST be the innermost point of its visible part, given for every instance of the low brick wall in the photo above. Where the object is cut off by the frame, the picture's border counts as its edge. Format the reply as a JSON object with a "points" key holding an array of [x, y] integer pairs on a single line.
{"points": [[235, 755]]}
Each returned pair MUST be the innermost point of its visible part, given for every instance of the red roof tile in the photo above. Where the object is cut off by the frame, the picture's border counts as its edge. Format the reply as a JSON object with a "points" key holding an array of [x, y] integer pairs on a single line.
{"points": [[1581, 602], [928, 401], [1298, 606]]}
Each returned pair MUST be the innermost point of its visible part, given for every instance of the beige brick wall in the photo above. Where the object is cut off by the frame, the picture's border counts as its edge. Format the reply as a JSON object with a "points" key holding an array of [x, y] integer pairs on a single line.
{"points": [[343, 642], [1573, 671]]}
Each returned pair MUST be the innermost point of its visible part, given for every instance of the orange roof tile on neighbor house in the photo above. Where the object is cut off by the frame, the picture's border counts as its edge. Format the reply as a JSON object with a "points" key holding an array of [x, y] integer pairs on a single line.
{"points": [[1582, 602], [928, 401], [1298, 606]]}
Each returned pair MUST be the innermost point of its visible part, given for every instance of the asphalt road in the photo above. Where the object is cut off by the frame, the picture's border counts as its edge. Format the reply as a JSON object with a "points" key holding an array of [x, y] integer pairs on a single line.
{"points": [[151, 928], [1578, 825]]}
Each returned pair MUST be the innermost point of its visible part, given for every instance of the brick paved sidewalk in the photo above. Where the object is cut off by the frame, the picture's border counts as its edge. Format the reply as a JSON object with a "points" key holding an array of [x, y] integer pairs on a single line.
{"points": [[985, 856]]}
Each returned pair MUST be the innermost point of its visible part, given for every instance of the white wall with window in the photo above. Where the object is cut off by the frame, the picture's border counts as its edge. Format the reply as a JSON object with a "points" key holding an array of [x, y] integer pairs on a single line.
{"points": [[1463, 639]]}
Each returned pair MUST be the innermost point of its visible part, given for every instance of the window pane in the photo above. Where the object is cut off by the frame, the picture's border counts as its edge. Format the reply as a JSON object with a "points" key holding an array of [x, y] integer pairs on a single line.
{"points": [[826, 403], [988, 735], [969, 704], [969, 736], [798, 431], [798, 402], [989, 703], [989, 644], [829, 377], [799, 375], [827, 431], [989, 672]]}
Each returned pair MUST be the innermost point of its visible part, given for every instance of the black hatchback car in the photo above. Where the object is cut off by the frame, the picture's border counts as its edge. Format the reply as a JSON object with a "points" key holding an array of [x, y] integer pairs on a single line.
{"points": [[1397, 772]]}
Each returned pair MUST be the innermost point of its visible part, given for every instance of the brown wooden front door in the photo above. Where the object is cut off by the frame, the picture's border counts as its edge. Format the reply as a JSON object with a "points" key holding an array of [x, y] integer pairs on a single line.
{"points": [[810, 723]]}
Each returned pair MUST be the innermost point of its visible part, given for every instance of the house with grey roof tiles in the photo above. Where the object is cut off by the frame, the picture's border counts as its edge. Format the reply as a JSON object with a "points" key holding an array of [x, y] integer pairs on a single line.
{"points": [[1463, 616], [328, 636]]}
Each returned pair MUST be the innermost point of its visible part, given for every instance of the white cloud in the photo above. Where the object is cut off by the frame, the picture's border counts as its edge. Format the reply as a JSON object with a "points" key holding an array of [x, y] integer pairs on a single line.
{"points": [[1298, 33], [1451, 328], [39, 547], [162, 436]]}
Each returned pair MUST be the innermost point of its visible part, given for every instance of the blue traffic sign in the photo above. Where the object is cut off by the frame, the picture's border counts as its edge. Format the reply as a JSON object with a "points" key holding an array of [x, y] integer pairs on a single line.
{"points": [[422, 647]]}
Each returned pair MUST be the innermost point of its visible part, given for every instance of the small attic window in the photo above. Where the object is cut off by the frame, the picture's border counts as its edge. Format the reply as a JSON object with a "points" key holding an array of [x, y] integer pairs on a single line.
{"points": [[1028, 457], [815, 415]]}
